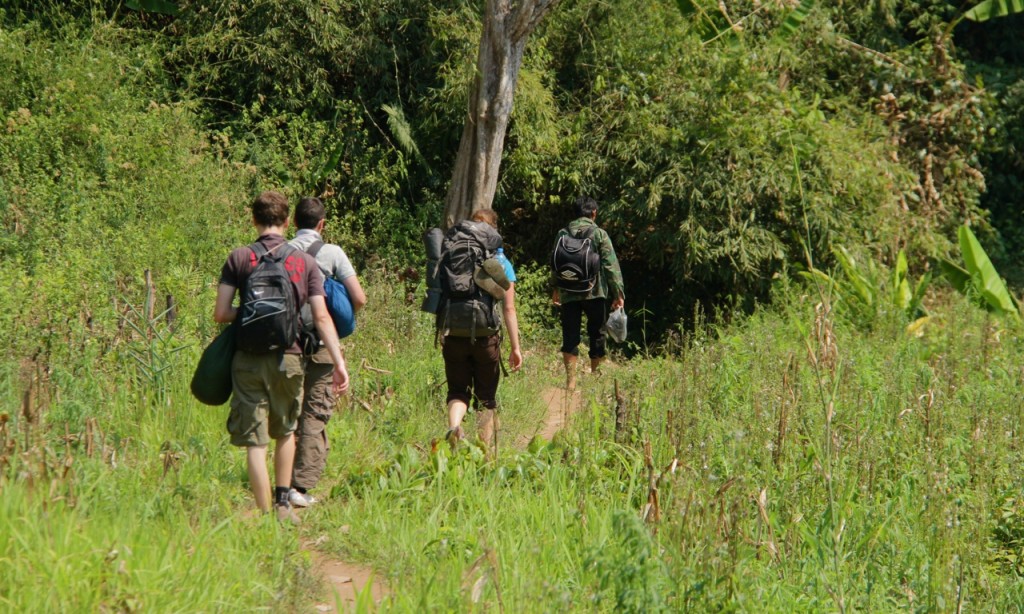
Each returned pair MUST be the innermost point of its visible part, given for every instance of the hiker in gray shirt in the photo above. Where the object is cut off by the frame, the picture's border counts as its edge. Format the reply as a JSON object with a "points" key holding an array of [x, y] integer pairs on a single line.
{"points": [[319, 399]]}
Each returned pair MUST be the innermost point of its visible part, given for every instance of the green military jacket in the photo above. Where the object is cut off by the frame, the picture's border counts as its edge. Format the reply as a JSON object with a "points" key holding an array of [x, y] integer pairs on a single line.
{"points": [[609, 277]]}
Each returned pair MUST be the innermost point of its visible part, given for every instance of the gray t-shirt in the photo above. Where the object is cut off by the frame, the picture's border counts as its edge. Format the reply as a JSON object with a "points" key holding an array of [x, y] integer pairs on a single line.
{"points": [[331, 258]]}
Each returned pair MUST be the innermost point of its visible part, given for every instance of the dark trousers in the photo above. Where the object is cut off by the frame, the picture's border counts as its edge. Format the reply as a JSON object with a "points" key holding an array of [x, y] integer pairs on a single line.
{"points": [[572, 320], [472, 369]]}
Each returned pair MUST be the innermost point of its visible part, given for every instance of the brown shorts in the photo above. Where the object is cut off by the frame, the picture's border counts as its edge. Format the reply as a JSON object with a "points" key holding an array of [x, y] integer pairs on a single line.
{"points": [[472, 369], [266, 397]]}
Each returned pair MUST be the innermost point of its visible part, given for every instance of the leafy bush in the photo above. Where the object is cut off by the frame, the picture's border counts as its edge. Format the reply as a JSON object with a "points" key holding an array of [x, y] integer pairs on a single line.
{"points": [[725, 148], [538, 321], [101, 182]]}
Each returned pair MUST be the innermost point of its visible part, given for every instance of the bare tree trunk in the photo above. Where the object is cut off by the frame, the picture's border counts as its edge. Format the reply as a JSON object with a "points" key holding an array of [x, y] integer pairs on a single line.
{"points": [[507, 25]]}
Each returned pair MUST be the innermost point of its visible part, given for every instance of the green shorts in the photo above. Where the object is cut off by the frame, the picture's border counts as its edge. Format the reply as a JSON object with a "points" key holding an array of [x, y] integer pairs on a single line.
{"points": [[266, 397]]}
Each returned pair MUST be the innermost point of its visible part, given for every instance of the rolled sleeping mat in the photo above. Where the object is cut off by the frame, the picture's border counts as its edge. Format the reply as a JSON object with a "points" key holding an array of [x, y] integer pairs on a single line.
{"points": [[432, 301], [432, 240]]}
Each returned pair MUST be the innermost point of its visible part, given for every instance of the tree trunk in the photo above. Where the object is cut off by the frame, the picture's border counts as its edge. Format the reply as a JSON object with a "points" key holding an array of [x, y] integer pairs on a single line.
{"points": [[507, 25]]}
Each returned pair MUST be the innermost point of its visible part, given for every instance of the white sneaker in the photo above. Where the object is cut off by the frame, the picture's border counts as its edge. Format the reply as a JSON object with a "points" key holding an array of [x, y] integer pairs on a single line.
{"points": [[298, 499]]}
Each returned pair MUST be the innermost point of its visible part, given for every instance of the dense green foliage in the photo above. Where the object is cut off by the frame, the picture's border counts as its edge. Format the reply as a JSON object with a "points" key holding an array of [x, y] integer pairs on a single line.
{"points": [[100, 183], [829, 455], [725, 147]]}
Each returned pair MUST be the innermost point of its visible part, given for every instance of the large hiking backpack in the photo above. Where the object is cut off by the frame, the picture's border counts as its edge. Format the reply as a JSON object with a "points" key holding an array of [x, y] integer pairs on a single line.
{"points": [[339, 305], [268, 317], [465, 309], [576, 261]]}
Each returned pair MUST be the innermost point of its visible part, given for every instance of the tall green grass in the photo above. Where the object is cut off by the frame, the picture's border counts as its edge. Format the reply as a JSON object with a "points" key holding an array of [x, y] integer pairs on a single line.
{"points": [[905, 494], [896, 485]]}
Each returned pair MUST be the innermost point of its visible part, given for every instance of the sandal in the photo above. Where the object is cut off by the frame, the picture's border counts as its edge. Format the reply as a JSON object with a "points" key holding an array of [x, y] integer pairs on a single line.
{"points": [[454, 436]]}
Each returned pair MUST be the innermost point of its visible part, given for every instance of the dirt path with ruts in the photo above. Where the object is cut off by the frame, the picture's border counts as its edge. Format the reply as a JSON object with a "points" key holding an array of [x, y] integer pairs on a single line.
{"points": [[344, 581]]}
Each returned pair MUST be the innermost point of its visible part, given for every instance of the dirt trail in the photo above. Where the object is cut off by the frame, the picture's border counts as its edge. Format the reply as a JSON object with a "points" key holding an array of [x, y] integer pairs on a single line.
{"points": [[556, 416], [343, 581]]}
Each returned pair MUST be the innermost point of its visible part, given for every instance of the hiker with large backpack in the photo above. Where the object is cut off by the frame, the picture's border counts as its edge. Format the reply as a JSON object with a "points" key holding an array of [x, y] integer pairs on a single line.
{"points": [[319, 399], [587, 280], [274, 280], [476, 285]]}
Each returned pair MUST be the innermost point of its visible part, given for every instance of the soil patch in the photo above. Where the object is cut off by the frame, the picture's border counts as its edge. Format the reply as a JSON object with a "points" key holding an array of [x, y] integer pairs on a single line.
{"points": [[559, 408], [344, 581]]}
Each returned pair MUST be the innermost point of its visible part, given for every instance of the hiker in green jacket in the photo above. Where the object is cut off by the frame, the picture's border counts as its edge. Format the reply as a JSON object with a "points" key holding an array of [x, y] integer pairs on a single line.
{"points": [[608, 288]]}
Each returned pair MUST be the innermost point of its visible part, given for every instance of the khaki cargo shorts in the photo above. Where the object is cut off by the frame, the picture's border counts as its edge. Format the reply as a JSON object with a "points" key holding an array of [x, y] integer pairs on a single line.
{"points": [[266, 397]]}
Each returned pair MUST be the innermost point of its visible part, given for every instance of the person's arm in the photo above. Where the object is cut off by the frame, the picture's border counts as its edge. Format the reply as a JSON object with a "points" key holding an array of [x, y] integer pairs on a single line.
{"points": [[344, 272], [515, 359], [612, 272], [355, 292], [223, 311], [329, 336], [556, 296]]}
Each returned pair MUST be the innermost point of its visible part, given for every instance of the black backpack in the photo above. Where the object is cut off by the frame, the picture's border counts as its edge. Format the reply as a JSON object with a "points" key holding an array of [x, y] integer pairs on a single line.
{"points": [[466, 310], [575, 261], [268, 317]]}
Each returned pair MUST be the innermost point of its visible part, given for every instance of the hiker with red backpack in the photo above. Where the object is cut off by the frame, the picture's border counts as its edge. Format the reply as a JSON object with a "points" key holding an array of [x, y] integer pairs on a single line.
{"points": [[587, 280], [274, 280], [475, 286], [319, 399]]}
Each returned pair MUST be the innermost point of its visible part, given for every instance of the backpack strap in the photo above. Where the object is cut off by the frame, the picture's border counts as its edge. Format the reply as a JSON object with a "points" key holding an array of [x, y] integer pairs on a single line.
{"points": [[314, 248], [259, 250]]}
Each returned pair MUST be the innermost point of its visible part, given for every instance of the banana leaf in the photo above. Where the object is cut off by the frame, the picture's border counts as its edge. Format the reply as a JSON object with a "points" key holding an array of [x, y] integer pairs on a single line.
{"points": [[985, 279], [861, 284], [990, 9], [957, 276], [901, 295]]}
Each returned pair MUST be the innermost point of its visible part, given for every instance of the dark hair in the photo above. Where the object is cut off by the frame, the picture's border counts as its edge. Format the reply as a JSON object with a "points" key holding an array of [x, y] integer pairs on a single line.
{"points": [[585, 206], [488, 216], [309, 212], [270, 209]]}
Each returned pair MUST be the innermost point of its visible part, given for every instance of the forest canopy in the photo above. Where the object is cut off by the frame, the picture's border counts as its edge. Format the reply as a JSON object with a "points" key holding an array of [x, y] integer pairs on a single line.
{"points": [[728, 144]]}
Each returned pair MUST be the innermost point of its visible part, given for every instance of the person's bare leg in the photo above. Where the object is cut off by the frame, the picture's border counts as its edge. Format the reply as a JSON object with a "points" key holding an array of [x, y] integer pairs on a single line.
{"points": [[570, 371], [259, 479], [284, 459], [456, 412], [595, 364]]}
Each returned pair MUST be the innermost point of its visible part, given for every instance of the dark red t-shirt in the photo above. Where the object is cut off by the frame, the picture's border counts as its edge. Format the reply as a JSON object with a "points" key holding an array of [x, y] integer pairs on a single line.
{"points": [[306, 278]]}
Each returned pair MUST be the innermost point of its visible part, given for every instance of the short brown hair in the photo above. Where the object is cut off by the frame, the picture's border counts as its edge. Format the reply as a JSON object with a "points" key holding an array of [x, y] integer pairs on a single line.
{"points": [[309, 212], [270, 209], [485, 215]]}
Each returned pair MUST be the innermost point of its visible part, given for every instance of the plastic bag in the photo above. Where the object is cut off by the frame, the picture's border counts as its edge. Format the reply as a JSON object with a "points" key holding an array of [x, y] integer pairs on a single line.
{"points": [[616, 325]]}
